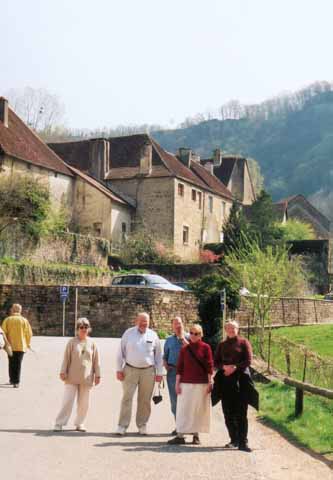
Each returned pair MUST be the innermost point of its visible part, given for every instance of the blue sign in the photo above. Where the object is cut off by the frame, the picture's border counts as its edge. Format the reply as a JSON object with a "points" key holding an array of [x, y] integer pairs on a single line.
{"points": [[64, 292]]}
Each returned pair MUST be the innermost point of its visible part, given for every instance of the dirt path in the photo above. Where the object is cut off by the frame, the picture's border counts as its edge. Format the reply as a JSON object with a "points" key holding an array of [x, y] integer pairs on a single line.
{"points": [[30, 450]]}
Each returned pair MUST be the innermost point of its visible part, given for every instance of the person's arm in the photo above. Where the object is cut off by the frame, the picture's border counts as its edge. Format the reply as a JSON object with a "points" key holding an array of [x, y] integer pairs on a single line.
{"points": [[121, 358], [210, 368], [27, 332], [4, 327], [178, 388], [158, 359], [96, 366], [66, 361], [218, 356], [166, 352]]}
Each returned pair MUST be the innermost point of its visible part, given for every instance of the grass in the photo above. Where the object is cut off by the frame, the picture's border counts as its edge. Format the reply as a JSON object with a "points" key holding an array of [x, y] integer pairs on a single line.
{"points": [[313, 429], [318, 338]]}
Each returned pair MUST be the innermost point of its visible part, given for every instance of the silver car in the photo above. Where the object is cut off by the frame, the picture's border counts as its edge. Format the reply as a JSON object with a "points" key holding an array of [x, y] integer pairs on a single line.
{"points": [[144, 280]]}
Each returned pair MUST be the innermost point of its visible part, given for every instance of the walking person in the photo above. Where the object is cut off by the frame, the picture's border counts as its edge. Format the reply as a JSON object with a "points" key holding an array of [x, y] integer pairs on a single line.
{"points": [[193, 387], [139, 365], [233, 358], [172, 347], [80, 370], [18, 332]]}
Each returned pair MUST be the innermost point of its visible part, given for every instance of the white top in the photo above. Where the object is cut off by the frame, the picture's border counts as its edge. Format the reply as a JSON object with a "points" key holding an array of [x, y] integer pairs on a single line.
{"points": [[140, 350]]}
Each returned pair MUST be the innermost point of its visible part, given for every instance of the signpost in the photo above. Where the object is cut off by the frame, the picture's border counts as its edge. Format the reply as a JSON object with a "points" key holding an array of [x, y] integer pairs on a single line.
{"points": [[64, 292], [223, 303]]}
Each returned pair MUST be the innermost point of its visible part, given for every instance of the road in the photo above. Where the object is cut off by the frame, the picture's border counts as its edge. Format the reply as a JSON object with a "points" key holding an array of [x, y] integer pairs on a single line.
{"points": [[30, 450]]}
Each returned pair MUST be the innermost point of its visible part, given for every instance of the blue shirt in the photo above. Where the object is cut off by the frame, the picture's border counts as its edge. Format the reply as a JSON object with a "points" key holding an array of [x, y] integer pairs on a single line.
{"points": [[172, 348]]}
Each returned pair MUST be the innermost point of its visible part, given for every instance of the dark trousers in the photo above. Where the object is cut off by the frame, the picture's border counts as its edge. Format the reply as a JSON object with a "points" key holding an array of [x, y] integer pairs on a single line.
{"points": [[234, 411], [14, 367]]}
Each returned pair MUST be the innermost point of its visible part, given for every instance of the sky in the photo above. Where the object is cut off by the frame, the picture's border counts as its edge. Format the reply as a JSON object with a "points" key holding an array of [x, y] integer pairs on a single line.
{"points": [[129, 62]]}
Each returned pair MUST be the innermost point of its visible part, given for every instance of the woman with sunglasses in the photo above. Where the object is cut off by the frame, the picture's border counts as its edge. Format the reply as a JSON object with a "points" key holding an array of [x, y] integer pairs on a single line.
{"points": [[80, 369], [193, 388]]}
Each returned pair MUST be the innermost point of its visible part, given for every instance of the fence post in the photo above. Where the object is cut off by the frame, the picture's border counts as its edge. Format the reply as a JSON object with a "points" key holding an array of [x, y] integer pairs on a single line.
{"points": [[299, 402], [287, 354]]}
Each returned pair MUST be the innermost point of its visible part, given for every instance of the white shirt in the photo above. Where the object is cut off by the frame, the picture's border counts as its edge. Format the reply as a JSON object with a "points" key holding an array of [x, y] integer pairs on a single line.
{"points": [[140, 350]]}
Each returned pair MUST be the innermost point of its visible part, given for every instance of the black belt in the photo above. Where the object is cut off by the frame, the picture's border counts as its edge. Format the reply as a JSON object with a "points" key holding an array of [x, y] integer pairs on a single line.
{"points": [[139, 368], [173, 366]]}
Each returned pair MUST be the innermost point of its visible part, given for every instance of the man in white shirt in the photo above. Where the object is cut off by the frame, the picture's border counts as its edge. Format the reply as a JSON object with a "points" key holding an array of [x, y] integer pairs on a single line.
{"points": [[139, 364]]}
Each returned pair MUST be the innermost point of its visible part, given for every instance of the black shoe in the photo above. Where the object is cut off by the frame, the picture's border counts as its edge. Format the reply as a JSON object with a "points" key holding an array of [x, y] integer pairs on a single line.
{"points": [[15, 385], [173, 433], [244, 448], [231, 445], [177, 441], [196, 440]]}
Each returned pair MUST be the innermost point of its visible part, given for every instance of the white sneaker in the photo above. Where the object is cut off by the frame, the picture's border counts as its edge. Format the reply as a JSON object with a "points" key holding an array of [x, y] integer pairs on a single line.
{"points": [[57, 428], [143, 430], [121, 430]]}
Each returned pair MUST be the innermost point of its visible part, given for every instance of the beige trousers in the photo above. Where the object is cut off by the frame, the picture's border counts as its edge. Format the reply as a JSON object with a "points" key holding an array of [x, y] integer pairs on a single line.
{"points": [[82, 394], [144, 379]]}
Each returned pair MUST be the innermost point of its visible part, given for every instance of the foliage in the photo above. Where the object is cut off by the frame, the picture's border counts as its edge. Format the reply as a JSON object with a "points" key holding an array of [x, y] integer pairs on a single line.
{"points": [[207, 256], [162, 334], [266, 274], [256, 176], [318, 338], [25, 202], [57, 221], [313, 429], [294, 229], [207, 290], [234, 228], [141, 247]]}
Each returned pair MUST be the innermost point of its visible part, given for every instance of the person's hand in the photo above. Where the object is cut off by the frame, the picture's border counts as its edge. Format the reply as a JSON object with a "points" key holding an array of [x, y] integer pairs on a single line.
{"points": [[158, 378], [229, 370], [120, 376], [178, 389], [63, 376], [209, 388], [97, 380]]}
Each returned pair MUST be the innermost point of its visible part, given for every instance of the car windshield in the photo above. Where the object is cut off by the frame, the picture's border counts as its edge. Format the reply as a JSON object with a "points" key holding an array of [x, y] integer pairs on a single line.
{"points": [[157, 279]]}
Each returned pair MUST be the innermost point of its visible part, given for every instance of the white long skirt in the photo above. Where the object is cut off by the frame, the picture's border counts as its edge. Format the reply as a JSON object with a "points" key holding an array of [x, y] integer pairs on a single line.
{"points": [[193, 409]]}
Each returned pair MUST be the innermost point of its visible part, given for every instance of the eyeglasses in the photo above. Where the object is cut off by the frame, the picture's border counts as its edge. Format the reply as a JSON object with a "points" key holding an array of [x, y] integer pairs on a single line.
{"points": [[83, 327], [195, 333]]}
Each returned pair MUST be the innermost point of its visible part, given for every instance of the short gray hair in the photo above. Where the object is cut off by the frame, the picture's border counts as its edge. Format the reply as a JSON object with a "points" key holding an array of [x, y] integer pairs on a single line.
{"points": [[83, 321]]}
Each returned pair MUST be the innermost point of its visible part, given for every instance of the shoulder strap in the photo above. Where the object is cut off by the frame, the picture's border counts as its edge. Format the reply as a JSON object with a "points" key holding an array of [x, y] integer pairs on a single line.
{"points": [[197, 359]]}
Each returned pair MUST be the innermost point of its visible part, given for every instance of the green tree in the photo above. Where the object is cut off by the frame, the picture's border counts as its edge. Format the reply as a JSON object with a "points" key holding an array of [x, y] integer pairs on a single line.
{"points": [[294, 229], [207, 290], [267, 274], [234, 228], [24, 202]]}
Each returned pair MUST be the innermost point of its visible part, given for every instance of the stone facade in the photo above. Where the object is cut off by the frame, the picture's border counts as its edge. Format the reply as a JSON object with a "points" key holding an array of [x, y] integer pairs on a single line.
{"points": [[111, 310]]}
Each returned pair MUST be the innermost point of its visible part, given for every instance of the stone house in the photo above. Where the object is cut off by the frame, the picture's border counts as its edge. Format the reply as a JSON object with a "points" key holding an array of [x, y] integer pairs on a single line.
{"points": [[178, 200], [93, 207], [298, 207], [233, 171]]}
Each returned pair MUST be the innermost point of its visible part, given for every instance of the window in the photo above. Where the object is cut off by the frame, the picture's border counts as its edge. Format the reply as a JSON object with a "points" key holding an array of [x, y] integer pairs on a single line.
{"points": [[199, 199], [180, 189], [186, 232], [123, 231], [194, 195], [210, 204], [223, 209]]}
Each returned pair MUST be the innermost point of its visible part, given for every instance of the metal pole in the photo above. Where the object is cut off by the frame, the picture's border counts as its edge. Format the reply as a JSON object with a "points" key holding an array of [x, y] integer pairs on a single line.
{"points": [[224, 311], [76, 308], [63, 317]]}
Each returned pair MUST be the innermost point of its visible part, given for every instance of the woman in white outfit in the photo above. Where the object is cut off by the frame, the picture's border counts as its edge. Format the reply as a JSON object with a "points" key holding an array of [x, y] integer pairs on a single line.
{"points": [[80, 369]]}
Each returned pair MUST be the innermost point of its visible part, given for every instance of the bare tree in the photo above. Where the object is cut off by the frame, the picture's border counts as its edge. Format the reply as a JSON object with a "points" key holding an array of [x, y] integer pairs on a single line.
{"points": [[40, 109]]}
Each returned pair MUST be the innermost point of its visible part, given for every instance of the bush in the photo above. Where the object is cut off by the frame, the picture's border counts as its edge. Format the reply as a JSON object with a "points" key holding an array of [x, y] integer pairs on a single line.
{"points": [[141, 247]]}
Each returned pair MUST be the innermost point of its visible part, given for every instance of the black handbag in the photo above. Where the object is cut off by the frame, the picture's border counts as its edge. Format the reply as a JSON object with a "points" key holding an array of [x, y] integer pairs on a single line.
{"points": [[158, 398]]}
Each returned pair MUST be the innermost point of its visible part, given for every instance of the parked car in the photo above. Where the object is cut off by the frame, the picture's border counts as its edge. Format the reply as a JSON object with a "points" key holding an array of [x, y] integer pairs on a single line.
{"points": [[328, 296], [144, 280]]}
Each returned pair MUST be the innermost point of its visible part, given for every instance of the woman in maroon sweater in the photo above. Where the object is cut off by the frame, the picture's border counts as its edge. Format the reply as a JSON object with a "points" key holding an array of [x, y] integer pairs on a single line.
{"points": [[193, 387], [233, 357]]}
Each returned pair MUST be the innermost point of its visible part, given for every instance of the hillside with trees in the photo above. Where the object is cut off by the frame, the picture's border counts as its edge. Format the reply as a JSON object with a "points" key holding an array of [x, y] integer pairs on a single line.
{"points": [[291, 136]]}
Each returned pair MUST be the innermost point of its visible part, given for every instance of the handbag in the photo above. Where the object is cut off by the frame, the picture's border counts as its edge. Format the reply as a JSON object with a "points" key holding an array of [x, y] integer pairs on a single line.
{"points": [[199, 362], [157, 398]]}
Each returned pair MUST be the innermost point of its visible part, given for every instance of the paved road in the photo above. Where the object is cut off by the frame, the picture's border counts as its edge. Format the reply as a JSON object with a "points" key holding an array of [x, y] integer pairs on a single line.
{"points": [[29, 450]]}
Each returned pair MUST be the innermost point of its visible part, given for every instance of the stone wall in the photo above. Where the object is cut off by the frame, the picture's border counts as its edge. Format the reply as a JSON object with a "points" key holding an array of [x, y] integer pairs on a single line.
{"points": [[64, 248], [111, 309], [291, 311]]}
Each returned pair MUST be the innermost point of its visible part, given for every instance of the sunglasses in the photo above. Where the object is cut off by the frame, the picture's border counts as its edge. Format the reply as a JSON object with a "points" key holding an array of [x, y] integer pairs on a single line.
{"points": [[195, 333], [83, 327]]}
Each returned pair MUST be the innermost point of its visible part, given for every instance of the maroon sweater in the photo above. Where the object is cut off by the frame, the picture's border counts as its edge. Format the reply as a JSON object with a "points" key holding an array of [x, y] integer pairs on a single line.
{"points": [[234, 351], [189, 369]]}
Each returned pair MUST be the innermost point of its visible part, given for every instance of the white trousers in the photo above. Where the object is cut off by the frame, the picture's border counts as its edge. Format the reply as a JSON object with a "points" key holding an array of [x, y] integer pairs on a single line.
{"points": [[82, 394]]}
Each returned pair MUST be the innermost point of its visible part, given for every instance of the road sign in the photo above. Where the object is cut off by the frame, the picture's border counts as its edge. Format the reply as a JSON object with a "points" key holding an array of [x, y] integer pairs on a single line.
{"points": [[64, 292]]}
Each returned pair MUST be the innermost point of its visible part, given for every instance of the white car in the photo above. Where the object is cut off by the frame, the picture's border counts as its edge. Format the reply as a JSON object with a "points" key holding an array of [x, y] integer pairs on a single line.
{"points": [[144, 280]]}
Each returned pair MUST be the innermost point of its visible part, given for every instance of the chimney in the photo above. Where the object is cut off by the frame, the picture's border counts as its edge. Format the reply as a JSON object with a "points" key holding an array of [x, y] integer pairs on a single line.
{"points": [[4, 111], [185, 156], [210, 167], [217, 157], [146, 159], [99, 158], [195, 157]]}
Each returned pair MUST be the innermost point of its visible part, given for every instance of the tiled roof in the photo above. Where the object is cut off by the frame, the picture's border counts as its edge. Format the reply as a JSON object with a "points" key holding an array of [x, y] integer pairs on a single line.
{"points": [[130, 172], [98, 185], [19, 141], [224, 171], [74, 153], [213, 182]]}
